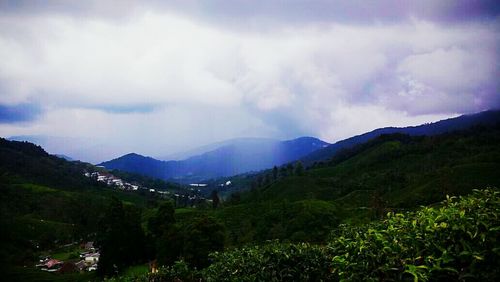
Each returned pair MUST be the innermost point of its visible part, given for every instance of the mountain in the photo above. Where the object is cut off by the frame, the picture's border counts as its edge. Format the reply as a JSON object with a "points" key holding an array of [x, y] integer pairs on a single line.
{"points": [[485, 118], [392, 172], [238, 156], [210, 147], [64, 157]]}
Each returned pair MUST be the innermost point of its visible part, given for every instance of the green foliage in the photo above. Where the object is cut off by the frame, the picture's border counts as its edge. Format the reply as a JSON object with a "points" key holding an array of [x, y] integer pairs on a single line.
{"points": [[306, 221], [452, 242], [169, 246], [457, 241], [203, 236], [271, 262], [406, 171], [299, 169], [120, 239], [179, 271], [162, 220]]}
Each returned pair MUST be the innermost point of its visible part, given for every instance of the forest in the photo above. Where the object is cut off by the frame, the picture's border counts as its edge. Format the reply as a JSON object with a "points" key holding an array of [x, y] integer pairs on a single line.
{"points": [[397, 207]]}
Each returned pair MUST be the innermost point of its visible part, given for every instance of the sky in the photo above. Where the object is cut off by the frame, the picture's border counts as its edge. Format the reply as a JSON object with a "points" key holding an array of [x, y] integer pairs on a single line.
{"points": [[98, 79]]}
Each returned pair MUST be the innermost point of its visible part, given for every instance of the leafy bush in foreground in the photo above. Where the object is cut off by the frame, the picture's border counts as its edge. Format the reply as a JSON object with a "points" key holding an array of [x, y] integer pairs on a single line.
{"points": [[457, 241], [271, 262]]}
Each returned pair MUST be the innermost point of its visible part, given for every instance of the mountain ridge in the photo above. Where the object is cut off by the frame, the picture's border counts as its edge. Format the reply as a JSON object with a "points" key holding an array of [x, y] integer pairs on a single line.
{"points": [[240, 156], [488, 117]]}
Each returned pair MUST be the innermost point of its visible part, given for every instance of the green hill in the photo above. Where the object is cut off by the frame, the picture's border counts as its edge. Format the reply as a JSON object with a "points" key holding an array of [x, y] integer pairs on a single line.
{"points": [[455, 240], [47, 202], [389, 173]]}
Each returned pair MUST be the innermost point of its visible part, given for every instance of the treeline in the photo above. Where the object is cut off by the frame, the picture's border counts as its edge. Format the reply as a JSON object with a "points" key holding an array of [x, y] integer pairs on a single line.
{"points": [[124, 242], [31, 163], [456, 241]]}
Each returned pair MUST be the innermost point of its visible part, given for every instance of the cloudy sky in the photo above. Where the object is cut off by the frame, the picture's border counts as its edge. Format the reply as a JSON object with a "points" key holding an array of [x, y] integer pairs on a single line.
{"points": [[97, 79]]}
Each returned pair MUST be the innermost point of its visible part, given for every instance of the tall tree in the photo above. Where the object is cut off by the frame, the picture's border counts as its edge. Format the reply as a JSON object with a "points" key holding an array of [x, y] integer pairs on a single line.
{"points": [[120, 239], [215, 199], [283, 171], [202, 237], [162, 220], [299, 168], [275, 173]]}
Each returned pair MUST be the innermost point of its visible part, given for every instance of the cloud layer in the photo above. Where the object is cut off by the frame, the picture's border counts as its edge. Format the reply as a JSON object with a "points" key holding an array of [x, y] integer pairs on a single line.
{"points": [[168, 76]]}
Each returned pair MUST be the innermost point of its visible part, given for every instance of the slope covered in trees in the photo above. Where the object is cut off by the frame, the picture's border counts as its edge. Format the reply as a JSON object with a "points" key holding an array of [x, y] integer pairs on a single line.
{"points": [[303, 208], [486, 118], [456, 240], [389, 173], [46, 202]]}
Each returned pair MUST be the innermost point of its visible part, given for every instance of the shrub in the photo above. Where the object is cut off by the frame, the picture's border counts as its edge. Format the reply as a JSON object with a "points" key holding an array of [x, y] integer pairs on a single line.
{"points": [[453, 242], [459, 240], [271, 262]]}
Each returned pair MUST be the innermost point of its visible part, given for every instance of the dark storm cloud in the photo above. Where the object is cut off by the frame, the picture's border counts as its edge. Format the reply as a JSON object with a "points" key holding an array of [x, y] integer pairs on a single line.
{"points": [[289, 12], [18, 113], [157, 76]]}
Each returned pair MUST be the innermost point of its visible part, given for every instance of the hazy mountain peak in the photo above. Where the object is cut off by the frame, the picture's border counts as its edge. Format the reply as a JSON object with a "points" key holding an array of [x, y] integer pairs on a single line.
{"points": [[225, 158]]}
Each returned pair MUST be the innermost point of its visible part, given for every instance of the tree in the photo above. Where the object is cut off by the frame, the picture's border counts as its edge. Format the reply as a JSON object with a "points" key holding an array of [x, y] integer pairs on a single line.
{"points": [[283, 172], [120, 239], [299, 168], [267, 180], [215, 199], [162, 220], [235, 198], [275, 173], [202, 237], [166, 235], [169, 246]]}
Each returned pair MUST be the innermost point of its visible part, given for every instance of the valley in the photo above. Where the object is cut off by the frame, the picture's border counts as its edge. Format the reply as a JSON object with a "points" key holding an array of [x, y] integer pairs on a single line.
{"points": [[146, 228]]}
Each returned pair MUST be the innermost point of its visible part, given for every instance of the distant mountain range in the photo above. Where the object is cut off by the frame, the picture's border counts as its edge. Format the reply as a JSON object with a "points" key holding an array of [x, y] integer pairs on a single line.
{"points": [[178, 156], [233, 157], [239, 156], [485, 118]]}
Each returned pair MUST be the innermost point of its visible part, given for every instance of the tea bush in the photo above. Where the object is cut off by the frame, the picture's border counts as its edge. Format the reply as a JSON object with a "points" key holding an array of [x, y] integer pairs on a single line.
{"points": [[456, 241], [271, 262]]}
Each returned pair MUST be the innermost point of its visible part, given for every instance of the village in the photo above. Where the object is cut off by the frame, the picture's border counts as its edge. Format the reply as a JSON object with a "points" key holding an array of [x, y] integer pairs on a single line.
{"points": [[86, 260], [84, 257], [113, 181]]}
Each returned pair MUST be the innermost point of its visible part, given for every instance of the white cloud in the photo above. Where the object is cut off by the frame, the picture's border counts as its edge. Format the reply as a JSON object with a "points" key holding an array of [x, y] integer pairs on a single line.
{"points": [[201, 83]]}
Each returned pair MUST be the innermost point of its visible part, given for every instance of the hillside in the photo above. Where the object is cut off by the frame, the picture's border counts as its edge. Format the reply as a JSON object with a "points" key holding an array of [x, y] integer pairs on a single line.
{"points": [[46, 202], [391, 172], [456, 240], [458, 123], [240, 156]]}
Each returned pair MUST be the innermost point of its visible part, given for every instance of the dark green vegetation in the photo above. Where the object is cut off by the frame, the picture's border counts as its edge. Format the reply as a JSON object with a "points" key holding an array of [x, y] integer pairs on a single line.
{"points": [[486, 118], [46, 202], [326, 221], [390, 173], [455, 241]]}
